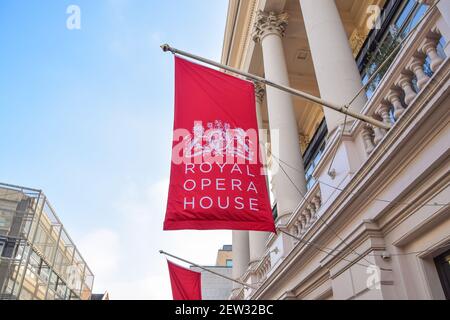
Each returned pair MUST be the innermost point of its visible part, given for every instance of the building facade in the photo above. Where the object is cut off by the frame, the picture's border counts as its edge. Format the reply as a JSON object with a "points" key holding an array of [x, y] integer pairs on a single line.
{"points": [[100, 296], [38, 259], [215, 287], [362, 211], [225, 256]]}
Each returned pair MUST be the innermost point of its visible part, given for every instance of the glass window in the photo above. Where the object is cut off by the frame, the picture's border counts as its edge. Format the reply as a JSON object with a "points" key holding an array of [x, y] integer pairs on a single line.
{"points": [[53, 280], [369, 90], [35, 260], [5, 219], [61, 288], [275, 212], [427, 67], [67, 295], [229, 263], [440, 48], [2, 244], [44, 271], [420, 11], [73, 296], [443, 268], [407, 18], [404, 14], [25, 294], [312, 165], [9, 249], [50, 294]]}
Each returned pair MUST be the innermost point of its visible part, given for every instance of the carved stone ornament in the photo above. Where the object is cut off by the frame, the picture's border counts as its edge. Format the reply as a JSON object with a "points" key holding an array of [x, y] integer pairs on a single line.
{"points": [[269, 23]]}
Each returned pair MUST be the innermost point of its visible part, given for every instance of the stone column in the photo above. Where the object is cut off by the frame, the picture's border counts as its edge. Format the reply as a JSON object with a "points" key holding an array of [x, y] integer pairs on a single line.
{"points": [[257, 239], [336, 71], [285, 148], [240, 255]]}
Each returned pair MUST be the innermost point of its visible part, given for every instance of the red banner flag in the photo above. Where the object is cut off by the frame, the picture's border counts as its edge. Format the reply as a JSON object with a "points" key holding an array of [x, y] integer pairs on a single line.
{"points": [[186, 284], [217, 179]]}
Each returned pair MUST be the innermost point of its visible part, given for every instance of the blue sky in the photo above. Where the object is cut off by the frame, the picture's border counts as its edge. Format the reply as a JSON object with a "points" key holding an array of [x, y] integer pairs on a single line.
{"points": [[86, 115]]}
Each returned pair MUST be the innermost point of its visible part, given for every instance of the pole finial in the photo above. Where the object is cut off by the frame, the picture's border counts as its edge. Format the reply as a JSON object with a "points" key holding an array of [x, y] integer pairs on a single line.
{"points": [[165, 47]]}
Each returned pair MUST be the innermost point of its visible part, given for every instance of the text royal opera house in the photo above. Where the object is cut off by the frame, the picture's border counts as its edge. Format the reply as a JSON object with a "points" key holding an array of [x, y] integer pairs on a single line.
{"points": [[227, 152]]}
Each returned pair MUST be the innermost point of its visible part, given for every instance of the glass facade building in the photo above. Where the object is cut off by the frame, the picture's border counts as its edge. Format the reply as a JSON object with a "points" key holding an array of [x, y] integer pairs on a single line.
{"points": [[38, 259]]}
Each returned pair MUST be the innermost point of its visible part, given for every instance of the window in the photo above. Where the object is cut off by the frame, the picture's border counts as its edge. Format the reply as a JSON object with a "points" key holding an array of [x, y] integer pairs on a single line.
{"points": [[406, 17], [229, 263], [35, 260], [415, 12], [404, 14], [44, 271], [275, 212], [313, 164], [53, 280], [5, 219], [9, 249], [61, 288], [314, 153], [443, 268], [2, 245]]}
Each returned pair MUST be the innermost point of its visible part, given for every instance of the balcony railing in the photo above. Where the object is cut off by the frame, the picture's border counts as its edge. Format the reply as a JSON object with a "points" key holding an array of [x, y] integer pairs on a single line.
{"points": [[307, 213], [408, 75], [304, 217], [262, 268], [255, 276], [237, 294]]}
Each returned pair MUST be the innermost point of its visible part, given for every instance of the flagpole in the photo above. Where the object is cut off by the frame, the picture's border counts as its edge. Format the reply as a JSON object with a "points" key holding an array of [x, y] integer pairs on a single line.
{"points": [[343, 109], [207, 270]]}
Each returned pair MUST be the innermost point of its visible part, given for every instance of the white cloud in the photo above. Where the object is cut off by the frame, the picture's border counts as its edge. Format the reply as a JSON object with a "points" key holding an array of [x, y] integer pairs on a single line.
{"points": [[135, 269], [149, 287], [100, 249], [156, 37]]}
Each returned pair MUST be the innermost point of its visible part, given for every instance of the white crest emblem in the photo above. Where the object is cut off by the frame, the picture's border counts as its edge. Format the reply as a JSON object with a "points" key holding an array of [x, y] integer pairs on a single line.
{"points": [[218, 139]]}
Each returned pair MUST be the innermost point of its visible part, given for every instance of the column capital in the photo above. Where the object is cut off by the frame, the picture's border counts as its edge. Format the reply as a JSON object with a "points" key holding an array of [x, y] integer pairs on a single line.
{"points": [[260, 92], [269, 23]]}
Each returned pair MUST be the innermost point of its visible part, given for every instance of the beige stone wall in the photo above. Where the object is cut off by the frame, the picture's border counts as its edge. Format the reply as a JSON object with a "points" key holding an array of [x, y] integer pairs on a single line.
{"points": [[222, 257]]}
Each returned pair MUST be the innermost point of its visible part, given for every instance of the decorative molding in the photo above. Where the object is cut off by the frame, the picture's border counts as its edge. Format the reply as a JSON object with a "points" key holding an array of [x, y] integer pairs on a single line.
{"points": [[269, 23], [356, 41], [247, 35], [304, 141], [260, 92]]}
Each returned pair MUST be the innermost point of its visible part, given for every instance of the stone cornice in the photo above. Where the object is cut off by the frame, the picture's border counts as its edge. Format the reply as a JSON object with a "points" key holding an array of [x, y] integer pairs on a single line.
{"points": [[432, 221], [310, 285], [238, 31], [246, 38], [363, 237], [269, 23], [437, 181]]}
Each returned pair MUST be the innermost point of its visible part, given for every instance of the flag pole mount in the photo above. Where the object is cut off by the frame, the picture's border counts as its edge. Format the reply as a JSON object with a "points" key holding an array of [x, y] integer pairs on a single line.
{"points": [[207, 270], [339, 108], [165, 47]]}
